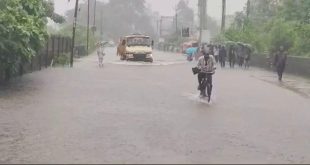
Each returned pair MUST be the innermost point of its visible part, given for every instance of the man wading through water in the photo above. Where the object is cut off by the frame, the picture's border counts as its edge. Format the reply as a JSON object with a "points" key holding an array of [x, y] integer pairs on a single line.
{"points": [[206, 65]]}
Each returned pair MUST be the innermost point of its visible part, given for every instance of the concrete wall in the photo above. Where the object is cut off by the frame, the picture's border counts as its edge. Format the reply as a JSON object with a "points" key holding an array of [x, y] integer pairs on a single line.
{"points": [[296, 65]]}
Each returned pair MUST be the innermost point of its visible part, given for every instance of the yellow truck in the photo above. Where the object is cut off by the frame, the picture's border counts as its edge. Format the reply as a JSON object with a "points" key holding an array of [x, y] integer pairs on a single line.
{"points": [[138, 47]]}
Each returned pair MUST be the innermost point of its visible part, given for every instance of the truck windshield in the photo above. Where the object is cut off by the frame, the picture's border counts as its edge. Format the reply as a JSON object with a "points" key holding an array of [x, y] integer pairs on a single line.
{"points": [[138, 41]]}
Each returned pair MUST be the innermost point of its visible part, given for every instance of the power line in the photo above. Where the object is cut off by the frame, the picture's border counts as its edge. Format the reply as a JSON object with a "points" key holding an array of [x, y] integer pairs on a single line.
{"points": [[202, 5], [94, 23]]}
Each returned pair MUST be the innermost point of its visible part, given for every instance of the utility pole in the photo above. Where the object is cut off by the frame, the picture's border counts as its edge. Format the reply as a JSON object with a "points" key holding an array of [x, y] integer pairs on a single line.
{"points": [[101, 21], [73, 32], [95, 6], [176, 19], [202, 5], [200, 15], [248, 6], [157, 28], [87, 44], [160, 26], [94, 25], [223, 15]]}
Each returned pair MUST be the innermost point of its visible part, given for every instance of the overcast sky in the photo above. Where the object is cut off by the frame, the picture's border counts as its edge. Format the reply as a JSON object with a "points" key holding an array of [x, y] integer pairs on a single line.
{"points": [[166, 7]]}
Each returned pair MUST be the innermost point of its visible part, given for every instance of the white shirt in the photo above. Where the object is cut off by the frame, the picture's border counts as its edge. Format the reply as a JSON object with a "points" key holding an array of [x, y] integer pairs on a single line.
{"points": [[207, 66], [100, 51], [216, 52]]}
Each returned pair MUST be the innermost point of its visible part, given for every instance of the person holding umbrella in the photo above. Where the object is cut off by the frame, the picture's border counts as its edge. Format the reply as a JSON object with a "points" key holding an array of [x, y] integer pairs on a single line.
{"points": [[191, 52]]}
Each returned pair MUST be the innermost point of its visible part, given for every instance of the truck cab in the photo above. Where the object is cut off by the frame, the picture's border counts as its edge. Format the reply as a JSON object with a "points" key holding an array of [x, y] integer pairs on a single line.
{"points": [[138, 48]]}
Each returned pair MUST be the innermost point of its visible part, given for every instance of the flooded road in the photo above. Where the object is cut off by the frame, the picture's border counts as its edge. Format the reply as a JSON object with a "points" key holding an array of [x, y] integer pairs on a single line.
{"points": [[131, 112]]}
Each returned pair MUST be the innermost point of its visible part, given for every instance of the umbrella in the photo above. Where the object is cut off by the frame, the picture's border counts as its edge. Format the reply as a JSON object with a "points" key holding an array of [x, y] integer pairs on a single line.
{"points": [[190, 51], [248, 45]]}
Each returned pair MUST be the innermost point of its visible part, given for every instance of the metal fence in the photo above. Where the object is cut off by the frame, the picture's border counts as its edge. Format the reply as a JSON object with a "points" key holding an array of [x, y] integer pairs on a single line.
{"points": [[55, 46]]}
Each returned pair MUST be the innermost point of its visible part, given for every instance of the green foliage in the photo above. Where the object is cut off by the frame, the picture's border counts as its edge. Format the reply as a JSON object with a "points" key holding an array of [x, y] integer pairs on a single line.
{"points": [[302, 41], [296, 10], [22, 31], [273, 23], [282, 34], [62, 60], [81, 36], [49, 12], [247, 34]]}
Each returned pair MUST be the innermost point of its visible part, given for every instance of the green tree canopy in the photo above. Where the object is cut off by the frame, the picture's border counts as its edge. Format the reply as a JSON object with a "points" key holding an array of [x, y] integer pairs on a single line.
{"points": [[269, 24], [22, 30]]}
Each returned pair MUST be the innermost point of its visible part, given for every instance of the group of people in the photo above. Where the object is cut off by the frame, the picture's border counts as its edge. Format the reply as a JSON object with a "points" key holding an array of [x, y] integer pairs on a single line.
{"points": [[240, 54], [208, 56]]}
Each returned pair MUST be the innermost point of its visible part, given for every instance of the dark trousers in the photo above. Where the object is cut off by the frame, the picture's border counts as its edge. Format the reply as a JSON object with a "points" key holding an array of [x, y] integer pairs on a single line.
{"points": [[216, 59], [246, 63], [241, 60], [205, 82], [223, 61], [232, 63], [280, 70]]}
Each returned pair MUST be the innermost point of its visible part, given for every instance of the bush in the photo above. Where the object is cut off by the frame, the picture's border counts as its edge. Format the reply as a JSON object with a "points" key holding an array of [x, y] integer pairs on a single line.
{"points": [[62, 60], [272, 24], [22, 32]]}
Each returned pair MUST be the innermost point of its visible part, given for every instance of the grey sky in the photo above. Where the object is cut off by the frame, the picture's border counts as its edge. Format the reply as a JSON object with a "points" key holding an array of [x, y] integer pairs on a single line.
{"points": [[166, 7]]}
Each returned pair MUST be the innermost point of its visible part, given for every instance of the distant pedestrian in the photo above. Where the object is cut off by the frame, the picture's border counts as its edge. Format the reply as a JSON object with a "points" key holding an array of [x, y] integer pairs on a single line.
{"points": [[247, 58], [121, 49], [280, 62], [216, 53], [232, 57], [205, 47], [100, 53], [222, 56], [240, 55], [211, 49], [191, 52], [200, 52]]}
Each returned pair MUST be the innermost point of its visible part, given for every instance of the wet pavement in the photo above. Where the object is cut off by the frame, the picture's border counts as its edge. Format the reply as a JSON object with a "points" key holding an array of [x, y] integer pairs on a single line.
{"points": [[135, 112]]}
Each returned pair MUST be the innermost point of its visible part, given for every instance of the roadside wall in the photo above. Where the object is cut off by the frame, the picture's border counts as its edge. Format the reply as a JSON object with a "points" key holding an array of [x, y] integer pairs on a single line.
{"points": [[295, 65]]}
